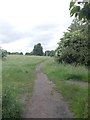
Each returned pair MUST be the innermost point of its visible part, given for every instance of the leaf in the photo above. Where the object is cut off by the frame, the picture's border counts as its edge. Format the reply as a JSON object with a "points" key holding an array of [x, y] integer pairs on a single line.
{"points": [[75, 10], [76, 14], [71, 4], [81, 15]]}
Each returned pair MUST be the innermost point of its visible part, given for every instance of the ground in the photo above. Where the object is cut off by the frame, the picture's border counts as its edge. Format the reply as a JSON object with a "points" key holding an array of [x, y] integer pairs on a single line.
{"points": [[46, 102]]}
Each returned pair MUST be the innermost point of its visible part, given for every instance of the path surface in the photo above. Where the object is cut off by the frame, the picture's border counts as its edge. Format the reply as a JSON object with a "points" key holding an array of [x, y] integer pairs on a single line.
{"points": [[46, 102]]}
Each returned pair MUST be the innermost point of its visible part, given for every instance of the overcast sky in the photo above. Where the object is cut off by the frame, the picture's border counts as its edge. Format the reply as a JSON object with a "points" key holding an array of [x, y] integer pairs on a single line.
{"points": [[24, 23]]}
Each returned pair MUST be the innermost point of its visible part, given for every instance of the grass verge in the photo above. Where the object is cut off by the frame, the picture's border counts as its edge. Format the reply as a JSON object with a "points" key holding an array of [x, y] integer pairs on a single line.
{"points": [[66, 72], [75, 95]]}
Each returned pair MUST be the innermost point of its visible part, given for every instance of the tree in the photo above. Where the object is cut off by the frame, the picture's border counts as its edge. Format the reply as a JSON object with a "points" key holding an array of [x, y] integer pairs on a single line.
{"points": [[21, 53], [38, 50], [80, 9], [27, 53], [50, 53], [47, 53], [73, 47]]}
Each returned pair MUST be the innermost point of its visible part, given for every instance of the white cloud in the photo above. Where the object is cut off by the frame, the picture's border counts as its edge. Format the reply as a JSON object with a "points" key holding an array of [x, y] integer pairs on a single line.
{"points": [[27, 22]]}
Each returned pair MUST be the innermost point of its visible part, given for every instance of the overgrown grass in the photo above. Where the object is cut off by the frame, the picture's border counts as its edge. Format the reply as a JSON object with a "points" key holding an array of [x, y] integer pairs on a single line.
{"points": [[66, 72], [18, 79], [75, 95]]}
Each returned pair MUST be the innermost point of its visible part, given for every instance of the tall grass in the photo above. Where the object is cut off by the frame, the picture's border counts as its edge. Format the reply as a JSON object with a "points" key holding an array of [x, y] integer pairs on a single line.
{"points": [[11, 106], [74, 94], [18, 76], [66, 72]]}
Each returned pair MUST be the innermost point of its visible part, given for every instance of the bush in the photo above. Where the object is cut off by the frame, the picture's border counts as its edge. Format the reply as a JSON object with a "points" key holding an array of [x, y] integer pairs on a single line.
{"points": [[73, 47]]}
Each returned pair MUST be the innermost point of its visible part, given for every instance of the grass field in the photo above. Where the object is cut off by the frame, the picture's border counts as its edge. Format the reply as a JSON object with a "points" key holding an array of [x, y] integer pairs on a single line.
{"points": [[75, 95], [18, 76], [18, 79]]}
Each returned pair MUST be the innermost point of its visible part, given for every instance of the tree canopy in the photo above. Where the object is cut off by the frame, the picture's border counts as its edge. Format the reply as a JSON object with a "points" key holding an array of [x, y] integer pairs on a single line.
{"points": [[73, 47], [50, 53], [80, 9], [38, 50]]}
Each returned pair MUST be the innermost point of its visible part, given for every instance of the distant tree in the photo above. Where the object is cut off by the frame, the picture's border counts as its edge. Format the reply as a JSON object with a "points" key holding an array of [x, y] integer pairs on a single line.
{"points": [[27, 53], [50, 53], [47, 53], [15, 53], [38, 50], [8, 53], [31, 53], [21, 53]]}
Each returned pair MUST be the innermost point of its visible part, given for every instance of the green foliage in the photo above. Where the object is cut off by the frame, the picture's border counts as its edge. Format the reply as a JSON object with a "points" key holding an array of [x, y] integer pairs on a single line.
{"points": [[73, 47], [66, 72], [74, 94], [72, 4], [38, 50], [27, 53], [10, 106], [21, 53], [80, 10], [50, 53], [15, 53]]}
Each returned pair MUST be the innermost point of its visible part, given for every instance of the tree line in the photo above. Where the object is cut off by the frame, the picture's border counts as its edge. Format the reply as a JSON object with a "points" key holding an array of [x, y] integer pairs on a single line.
{"points": [[37, 50]]}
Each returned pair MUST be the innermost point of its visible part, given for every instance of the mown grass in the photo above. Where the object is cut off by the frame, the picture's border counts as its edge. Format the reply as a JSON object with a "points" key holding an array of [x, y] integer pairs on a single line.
{"points": [[74, 94], [18, 76]]}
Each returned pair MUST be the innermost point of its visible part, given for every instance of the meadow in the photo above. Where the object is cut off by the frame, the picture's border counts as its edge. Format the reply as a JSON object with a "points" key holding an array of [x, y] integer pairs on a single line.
{"points": [[63, 76], [18, 76]]}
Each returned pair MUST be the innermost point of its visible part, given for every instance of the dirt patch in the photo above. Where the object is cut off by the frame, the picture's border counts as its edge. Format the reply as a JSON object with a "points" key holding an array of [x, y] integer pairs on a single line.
{"points": [[46, 102]]}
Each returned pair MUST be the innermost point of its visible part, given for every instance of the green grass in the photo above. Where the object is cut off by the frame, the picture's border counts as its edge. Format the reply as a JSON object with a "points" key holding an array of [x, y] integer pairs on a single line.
{"points": [[18, 76], [66, 72], [75, 95]]}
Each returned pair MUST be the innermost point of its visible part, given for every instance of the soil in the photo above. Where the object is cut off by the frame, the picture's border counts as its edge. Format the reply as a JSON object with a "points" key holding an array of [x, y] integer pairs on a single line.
{"points": [[46, 102]]}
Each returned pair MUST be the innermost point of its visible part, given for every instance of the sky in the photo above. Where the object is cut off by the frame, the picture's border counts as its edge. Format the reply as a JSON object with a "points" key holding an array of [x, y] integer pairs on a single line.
{"points": [[24, 23]]}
